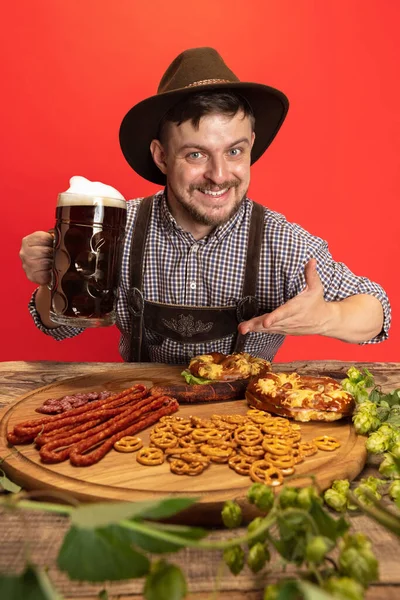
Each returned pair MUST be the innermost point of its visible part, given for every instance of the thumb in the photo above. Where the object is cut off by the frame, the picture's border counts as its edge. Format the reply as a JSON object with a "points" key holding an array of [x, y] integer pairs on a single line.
{"points": [[313, 281]]}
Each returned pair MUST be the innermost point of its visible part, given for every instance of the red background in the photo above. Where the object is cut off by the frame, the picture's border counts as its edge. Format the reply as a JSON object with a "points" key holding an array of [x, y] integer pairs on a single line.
{"points": [[71, 69]]}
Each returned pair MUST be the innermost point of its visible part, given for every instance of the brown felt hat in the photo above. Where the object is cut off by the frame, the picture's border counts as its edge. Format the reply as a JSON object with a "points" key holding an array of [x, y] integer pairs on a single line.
{"points": [[196, 70]]}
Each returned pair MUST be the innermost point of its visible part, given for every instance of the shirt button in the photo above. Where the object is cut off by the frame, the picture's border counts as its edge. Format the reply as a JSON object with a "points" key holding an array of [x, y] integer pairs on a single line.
{"points": [[192, 285], [195, 247]]}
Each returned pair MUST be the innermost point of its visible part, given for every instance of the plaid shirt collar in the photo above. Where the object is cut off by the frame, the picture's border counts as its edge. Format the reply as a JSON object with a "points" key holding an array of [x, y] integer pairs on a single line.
{"points": [[170, 224]]}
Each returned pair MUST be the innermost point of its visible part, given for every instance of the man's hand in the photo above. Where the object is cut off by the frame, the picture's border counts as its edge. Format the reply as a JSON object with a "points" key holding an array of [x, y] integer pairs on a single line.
{"points": [[36, 255], [305, 314]]}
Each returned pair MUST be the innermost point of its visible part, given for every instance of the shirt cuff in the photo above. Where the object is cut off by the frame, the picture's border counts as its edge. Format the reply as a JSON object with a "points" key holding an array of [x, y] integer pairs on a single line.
{"points": [[387, 318], [60, 333]]}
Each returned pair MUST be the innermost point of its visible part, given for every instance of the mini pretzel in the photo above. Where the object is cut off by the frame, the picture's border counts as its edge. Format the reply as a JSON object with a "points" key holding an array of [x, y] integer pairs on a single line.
{"points": [[275, 428], [204, 434], [308, 448], [162, 427], [219, 424], [179, 467], [186, 440], [164, 439], [298, 457], [195, 468], [326, 442], [233, 419], [291, 437], [253, 450], [282, 462], [181, 450], [203, 423], [225, 442], [258, 416], [261, 471], [128, 443], [180, 428], [241, 464], [216, 452], [276, 447], [248, 435], [150, 456], [195, 457]]}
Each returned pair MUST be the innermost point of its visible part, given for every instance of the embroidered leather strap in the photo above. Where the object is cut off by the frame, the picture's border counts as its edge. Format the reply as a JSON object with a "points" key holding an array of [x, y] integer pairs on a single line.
{"points": [[136, 301], [248, 306]]}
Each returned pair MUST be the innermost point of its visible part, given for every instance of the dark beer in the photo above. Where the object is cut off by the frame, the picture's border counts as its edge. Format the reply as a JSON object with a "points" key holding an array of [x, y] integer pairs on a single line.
{"points": [[88, 242]]}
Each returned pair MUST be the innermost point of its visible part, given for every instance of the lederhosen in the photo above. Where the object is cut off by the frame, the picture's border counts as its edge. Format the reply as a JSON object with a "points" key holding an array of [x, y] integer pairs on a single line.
{"points": [[189, 324]]}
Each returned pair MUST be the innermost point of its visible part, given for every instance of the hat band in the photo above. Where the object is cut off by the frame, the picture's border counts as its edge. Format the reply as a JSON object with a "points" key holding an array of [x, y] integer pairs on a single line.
{"points": [[207, 81]]}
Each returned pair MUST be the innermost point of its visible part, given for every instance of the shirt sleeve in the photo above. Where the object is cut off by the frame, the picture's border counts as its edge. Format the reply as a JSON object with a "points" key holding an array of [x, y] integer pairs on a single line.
{"points": [[340, 282], [60, 333]]}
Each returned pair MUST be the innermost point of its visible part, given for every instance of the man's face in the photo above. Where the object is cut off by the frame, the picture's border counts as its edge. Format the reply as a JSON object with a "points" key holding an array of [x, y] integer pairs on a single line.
{"points": [[208, 169]]}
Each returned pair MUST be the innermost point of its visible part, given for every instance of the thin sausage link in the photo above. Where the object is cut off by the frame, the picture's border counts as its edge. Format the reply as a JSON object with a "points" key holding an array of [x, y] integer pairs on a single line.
{"points": [[77, 458], [137, 391], [50, 452], [85, 413]]}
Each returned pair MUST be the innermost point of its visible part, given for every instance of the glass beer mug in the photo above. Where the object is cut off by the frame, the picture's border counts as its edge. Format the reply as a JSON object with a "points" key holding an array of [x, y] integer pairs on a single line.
{"points": [[88, 241]]}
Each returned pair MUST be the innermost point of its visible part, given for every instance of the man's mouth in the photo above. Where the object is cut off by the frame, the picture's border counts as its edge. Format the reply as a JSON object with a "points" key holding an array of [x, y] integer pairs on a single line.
{"points": [[217, 194]]}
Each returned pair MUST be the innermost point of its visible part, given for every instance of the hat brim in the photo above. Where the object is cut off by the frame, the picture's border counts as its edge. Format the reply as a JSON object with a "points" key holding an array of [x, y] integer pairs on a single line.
{"points": [[140, 125]]}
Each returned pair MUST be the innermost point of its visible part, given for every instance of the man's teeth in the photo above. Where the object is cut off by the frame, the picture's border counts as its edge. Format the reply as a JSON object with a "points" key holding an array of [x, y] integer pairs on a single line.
{"points": [[215, 194]]}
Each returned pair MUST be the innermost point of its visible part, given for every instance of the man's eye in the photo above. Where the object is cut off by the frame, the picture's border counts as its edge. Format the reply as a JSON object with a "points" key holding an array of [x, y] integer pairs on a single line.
{"points": [[234, 152], [195, 155]]}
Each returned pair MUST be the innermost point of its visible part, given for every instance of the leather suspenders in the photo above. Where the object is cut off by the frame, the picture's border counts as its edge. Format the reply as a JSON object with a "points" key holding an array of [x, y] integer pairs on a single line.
{"points": [[177, 322]]}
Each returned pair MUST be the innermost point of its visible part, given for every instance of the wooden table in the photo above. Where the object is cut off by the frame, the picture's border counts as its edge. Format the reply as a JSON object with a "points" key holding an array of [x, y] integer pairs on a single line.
{"points": [[45, 531]]}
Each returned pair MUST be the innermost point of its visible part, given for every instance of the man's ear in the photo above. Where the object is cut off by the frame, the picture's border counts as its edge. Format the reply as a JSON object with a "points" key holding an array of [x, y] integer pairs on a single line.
{"points": [[159, 155], [253, 137]]}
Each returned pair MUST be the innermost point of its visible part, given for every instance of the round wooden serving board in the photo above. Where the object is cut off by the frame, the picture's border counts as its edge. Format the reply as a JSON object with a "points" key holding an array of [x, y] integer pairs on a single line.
{"points": [[118, 476]]}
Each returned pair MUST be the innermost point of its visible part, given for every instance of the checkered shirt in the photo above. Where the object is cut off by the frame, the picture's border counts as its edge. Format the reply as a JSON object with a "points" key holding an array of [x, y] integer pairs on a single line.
{"points": [[209, 272]]}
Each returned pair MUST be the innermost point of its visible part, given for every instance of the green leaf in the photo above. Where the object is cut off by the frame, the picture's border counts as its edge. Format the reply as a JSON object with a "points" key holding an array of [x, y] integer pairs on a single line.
{"points": [[312, 592], [7, 484], [90, 516], [100, 555], [32, 584], [165, 582], [193, 380], [158, 546], [327, 525], [103, 595]]}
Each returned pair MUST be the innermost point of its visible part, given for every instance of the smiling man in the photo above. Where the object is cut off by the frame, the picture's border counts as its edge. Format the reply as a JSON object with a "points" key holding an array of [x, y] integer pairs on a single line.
{"points": [[206, 269]]}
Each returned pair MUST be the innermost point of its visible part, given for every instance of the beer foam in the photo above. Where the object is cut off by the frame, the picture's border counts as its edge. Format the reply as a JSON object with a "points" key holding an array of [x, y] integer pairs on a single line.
{"points": [[82, 191]]}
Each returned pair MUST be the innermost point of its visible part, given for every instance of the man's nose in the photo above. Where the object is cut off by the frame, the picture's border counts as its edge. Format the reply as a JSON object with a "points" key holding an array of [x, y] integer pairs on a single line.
{"points": [[217, 170]]}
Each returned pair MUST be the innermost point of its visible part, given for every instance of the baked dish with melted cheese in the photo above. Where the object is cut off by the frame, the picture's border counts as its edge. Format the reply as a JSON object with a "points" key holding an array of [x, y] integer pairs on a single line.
{"points": [[227, 367], [301, 397]]}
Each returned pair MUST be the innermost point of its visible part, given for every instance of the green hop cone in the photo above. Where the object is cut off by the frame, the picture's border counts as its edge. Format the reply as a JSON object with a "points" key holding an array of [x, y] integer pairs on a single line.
{"points": [[366, 421], [234, 558], [317, 548], [261, 495], [288, 497], [257, 557], [231, 514], [355, 375], [271, 592], [362, 492], [335, 500], [395, 450], [388, 468], [341, 485], [378, 442], [394, 490], [307, 496], [344, 588], [356, 559], [252, 528]]}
